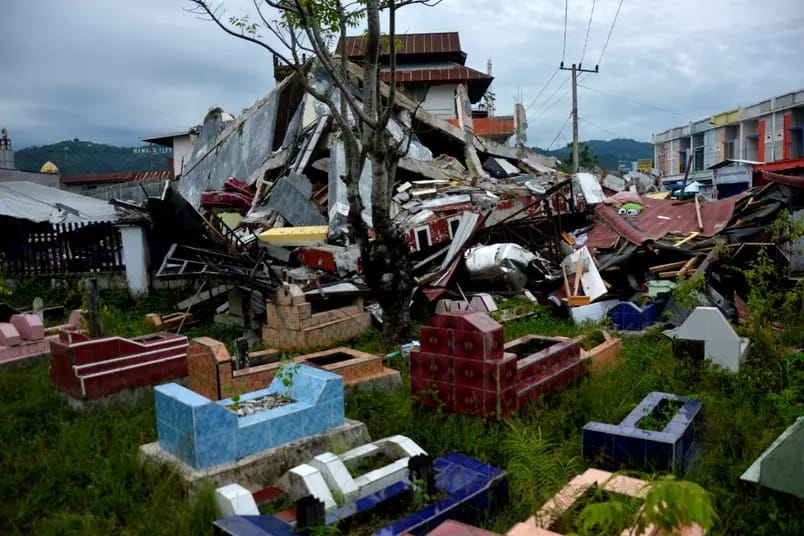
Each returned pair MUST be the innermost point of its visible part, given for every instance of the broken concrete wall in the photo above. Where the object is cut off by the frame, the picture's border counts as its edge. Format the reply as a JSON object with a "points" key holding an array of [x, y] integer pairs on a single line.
{"points": [[239, 150]]}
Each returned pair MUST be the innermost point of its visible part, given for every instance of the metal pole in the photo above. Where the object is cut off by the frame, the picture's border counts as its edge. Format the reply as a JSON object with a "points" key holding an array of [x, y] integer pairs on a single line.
{"points": [[575, 161]]}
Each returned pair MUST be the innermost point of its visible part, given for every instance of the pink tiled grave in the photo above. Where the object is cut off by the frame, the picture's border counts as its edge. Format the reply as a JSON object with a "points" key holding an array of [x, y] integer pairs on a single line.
{"points": [[463, 365], [540, 524], [22, 338], [88, 368]]}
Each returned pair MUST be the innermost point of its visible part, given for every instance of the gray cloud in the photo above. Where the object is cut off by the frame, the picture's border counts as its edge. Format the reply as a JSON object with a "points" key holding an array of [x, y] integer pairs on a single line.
{"points": [[114, 71]]}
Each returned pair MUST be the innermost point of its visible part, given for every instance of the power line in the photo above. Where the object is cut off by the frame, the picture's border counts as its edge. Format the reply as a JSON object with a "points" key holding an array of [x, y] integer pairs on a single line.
{"points": [[544, 108], [563, 52], [613, 22], [588, 27], [542, 90], [607, 131], [665, 110], [559, 132]]}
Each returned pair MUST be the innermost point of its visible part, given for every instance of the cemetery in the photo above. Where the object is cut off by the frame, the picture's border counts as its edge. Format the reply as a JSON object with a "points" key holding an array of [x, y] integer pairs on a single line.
{"points": [[475, 427]]}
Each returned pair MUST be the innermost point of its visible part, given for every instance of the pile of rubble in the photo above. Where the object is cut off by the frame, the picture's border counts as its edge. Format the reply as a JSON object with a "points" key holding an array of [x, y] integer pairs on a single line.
{"points": [[263, 202]]}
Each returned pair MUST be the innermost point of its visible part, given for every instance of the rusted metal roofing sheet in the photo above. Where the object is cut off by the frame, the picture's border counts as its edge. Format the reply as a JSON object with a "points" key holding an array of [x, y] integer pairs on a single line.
{"points": [[118, 176], [418, 43], [788, 180], [659, 218], [455, 73]]}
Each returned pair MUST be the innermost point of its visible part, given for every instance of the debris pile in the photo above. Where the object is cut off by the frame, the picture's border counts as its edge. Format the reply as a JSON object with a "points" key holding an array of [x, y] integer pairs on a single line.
{"points": [[480, 218]]}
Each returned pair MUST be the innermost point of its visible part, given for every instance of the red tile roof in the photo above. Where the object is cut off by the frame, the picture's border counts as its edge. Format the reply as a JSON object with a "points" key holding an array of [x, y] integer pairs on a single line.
{"points": [[420, 43], [116, 177]]}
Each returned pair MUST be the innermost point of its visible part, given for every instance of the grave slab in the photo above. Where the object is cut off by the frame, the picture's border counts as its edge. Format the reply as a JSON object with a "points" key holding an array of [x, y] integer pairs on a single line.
{"points": [[29, 327], [539, 524], [463, 365], [627, 444], [235, 500], [781, 466], [722, 345], [204, 433], [471, 491], [213, 374], [89, 368], [254, 470]]}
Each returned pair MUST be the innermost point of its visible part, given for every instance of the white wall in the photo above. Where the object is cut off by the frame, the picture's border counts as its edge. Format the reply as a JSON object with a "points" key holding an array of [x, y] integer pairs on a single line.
{"points": [[440, 101], [182, 149]]}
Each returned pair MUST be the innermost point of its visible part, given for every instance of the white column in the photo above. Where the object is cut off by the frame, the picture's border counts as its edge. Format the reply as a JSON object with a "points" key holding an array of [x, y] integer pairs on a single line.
{"points": [[135, 257]]}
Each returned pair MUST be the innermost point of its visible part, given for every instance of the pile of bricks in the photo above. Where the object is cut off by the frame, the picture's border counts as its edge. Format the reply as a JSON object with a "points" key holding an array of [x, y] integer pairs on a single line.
{"points": [[292, 325]]}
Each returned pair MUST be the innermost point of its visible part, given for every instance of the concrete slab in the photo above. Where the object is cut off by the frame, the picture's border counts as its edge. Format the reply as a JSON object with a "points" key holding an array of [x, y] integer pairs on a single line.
{"points": [[257, 470]]}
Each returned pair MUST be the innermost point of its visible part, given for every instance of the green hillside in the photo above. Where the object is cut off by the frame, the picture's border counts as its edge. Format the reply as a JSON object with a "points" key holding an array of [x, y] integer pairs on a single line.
{"points": [[611, 152], [77, 157]]}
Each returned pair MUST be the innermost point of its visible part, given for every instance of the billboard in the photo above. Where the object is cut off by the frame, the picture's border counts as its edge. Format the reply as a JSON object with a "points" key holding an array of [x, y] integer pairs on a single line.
{"points": [[644, 164]]}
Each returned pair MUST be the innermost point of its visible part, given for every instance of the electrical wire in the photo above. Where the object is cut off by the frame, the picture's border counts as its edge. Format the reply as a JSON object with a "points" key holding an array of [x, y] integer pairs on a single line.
{"points": [[588, 27], [546, 107], [607, 131], [562, 97], [560, 131], [613, 22], [665, 110], [564, 50], [542, 90]]}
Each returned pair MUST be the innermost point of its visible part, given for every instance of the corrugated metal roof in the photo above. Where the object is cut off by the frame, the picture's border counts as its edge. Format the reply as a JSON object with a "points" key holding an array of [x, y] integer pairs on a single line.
{"points": [[649, 226], [455, 73], [34, 202], [121, 176], [419, 43]]}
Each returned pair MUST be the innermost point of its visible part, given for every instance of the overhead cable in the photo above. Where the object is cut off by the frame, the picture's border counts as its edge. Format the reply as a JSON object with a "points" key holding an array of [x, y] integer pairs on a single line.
{"points": [[613, 22], [588, 27]]}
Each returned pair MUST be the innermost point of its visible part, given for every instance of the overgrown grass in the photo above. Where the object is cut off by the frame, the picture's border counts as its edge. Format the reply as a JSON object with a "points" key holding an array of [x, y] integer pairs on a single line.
{"points": [[65, 472]]}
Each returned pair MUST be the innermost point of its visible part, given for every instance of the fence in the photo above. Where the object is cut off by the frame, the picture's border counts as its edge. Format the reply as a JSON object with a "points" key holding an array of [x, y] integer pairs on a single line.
{"points": [[29, 248]]}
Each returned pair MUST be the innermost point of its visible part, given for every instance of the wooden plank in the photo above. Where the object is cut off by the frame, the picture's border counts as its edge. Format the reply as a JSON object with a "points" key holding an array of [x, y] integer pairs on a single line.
{"points": [[566, 281], [578, 272], [668, 275], [698, 212], [686, 268], [690, 237], [665, 267]]}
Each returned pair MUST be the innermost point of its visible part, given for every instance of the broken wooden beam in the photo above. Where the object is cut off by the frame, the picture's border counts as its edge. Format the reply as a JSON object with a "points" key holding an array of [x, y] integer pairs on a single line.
{"points": [[665, 267]]}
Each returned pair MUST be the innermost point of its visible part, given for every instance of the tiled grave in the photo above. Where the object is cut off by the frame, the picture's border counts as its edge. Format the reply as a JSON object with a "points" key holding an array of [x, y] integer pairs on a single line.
{"points": [[627, 316], [212, 372], [781, 466], [86, 368], [539, 524], [293, 325], [22, 338], [463, 365], [470, 491], [722, 345], [203, 433], [603, 355], [328, 476], [630, 445]]}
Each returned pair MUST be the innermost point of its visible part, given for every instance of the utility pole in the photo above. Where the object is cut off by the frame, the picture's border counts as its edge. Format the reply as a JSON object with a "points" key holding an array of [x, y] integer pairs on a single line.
{"points": [[575, 70]]}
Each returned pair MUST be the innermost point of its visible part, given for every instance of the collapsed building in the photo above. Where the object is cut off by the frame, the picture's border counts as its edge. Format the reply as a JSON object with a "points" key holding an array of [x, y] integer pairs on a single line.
{"points": [[478, 215]]}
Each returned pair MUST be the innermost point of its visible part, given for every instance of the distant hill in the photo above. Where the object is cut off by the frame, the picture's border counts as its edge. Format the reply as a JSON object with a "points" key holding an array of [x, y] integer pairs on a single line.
{"points": [[609, 153], [77, 157]]}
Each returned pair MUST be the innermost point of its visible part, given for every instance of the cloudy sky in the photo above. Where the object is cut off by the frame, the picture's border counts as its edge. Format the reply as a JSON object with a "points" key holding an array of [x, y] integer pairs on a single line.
{"points": [[112, 71]]}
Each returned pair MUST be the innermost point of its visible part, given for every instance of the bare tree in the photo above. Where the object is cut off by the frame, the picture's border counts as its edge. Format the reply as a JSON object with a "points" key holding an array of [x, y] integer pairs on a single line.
{"points": [[302, 27]]}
